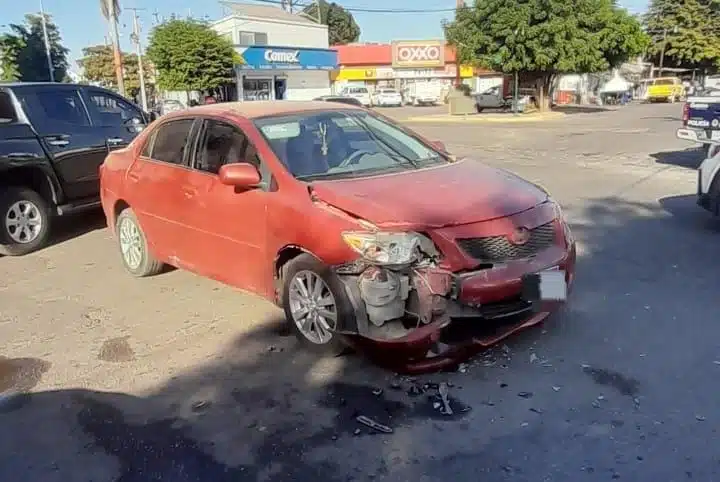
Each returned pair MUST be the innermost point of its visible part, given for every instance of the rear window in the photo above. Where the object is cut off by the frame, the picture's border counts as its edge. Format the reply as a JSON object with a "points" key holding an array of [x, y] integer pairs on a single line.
{"points": [[664, 82], [7, 110], [358, 90], [170, 141]]}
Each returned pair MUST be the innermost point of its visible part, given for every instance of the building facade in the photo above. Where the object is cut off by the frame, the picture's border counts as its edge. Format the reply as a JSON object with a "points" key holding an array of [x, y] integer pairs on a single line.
{"points": [[401, 63], [284, 55]]}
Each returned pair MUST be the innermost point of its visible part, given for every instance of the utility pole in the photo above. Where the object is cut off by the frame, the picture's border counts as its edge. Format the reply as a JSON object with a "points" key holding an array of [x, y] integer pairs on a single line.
{"points": [[115, 38], [458, 79], [664, 44], [48, 55], [138, 50]]}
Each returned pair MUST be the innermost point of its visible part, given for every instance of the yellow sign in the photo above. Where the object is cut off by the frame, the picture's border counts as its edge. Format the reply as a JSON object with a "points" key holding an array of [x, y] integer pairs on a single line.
{"points": [[466, 71], [357, 73]]}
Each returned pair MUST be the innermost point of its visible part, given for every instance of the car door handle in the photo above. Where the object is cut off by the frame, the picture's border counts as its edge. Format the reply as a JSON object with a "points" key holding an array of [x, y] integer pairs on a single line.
{"points": [[115, 140], [58, 141], [22, 155]]}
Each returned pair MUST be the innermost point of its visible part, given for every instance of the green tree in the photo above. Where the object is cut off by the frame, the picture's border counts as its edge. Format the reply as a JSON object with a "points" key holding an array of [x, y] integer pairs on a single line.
{"points": [[540, 39], [342, 28], [689, 31], [98, 67], [31, 58], [10, 47], [189, 55]]}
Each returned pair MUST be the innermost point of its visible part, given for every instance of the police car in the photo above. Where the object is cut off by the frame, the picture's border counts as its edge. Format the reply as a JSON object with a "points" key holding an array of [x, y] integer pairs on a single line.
{"points": [[708, 184]]}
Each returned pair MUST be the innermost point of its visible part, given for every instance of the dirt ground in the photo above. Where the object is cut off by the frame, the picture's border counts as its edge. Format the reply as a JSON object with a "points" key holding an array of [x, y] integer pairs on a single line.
{"points": [[179, 378]]}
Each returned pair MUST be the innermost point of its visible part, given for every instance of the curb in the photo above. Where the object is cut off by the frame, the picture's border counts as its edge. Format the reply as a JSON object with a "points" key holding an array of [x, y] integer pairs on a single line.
{"points": [[480, 119]]}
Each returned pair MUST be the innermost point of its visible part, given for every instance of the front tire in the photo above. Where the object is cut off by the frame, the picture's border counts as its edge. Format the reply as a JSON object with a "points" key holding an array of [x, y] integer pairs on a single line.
{"points": [[134, 247], [25, 221], [315, 304]]}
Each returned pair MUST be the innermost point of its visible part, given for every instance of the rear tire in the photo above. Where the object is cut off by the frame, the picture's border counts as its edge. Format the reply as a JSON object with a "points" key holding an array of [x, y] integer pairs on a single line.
{"points": [[134, 247], [302, 274], [24, 221]]}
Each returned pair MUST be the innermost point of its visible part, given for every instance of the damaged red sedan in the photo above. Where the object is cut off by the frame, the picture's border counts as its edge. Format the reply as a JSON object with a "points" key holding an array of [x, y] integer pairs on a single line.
{"points": [[360, 229]]}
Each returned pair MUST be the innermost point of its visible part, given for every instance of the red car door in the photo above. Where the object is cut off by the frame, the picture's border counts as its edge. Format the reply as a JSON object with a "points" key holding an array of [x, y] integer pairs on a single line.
{"points": [[227, 228], [154, 187]]}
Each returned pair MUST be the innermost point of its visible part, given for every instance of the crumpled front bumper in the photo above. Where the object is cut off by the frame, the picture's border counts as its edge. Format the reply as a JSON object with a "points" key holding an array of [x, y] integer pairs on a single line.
{"points": [[487, 307]]}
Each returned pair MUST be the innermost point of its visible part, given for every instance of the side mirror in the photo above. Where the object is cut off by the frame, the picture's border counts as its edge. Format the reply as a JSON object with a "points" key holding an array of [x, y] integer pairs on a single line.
{"points": [[695, 136], [439, 145], [240, 174]]}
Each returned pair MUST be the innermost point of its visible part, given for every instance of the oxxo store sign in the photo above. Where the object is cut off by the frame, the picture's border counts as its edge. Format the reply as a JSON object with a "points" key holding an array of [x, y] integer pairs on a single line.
{"points": [[406, 54]]}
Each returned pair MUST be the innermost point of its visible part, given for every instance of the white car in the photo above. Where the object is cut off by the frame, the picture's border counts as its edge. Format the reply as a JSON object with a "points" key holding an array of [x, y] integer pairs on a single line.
{"points": [[359, 93], [387, 98], [708, 188]]}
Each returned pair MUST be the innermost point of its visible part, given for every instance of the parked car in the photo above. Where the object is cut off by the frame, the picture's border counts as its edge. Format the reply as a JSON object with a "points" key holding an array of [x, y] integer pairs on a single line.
{"points": [[170, 105], [359, 93], [53, 138], [331, 211], [665, 89], [492, 98], [387, 98], [423, 93], [340, 99]]}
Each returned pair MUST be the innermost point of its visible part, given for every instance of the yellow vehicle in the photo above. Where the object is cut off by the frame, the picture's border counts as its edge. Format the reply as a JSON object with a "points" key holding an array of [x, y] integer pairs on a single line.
{"points": [[665, 89]]}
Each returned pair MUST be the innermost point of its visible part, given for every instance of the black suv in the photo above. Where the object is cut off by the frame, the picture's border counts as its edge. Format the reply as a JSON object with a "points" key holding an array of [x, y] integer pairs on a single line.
{"points": [[53, 138]]}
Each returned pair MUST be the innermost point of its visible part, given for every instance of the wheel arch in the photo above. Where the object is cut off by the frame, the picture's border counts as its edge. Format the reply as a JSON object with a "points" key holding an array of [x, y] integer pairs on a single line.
{"points": [[33, 178], [286, 254]]}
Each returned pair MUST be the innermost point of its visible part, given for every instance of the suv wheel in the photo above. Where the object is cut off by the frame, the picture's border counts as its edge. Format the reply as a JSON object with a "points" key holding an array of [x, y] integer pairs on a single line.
{"points": [[24, 221]]}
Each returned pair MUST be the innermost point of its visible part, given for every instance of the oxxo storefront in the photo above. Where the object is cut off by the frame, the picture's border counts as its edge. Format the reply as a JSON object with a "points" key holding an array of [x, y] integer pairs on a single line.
{"points": [[284, 73], [398, 64]]}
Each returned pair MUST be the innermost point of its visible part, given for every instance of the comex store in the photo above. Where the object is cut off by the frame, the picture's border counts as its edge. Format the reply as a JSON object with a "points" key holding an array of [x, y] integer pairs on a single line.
{"points": [[284, 73]]}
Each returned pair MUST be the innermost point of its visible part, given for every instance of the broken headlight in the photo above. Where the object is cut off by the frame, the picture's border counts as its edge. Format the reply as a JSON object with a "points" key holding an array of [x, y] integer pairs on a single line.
{"points": [[383, 248]]}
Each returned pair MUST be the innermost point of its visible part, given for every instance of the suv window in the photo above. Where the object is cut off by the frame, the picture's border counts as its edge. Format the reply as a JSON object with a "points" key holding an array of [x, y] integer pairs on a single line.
{"points": [[170, 141], [111, 110], [224, 144], [55, 106], [7, 110]]}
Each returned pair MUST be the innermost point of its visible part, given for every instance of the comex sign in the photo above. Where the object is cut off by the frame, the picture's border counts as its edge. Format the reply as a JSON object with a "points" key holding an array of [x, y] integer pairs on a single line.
{"points": [[274, 56], [417, 54]]}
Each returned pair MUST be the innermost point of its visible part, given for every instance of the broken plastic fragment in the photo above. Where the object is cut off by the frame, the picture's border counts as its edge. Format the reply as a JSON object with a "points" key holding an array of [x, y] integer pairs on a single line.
{"points": [[368, 422]]}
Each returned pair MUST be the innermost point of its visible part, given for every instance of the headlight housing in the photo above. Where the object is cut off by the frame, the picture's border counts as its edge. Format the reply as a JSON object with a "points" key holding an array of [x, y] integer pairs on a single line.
{"points": [[388, 248]]}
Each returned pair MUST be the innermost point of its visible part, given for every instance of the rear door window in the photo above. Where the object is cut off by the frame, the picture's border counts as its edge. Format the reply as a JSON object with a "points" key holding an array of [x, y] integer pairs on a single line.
{"points": [[54, 109], [223, 144], [7, 110], [171, 141]]}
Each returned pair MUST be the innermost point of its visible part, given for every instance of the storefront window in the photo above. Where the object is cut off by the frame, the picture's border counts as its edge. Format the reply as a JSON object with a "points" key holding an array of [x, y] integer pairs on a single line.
{"points": [[256, 89]]}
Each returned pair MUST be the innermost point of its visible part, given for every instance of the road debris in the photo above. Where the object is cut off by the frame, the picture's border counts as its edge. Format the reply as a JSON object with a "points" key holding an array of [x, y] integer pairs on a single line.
{"points": [[368, 422], [377, 392], [525, 394], [462, 368], [556, 388], [533, 358], [699, 418], [443, 392]]}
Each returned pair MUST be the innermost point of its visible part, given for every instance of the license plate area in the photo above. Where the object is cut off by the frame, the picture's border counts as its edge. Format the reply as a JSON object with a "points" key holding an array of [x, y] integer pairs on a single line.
{"points": [[546, 285]]}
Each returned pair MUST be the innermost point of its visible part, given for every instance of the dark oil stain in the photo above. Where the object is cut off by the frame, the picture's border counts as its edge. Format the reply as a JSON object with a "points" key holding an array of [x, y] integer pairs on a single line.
{"points": [[163, 450], [18, 376], [116, 350], [624, 385]]}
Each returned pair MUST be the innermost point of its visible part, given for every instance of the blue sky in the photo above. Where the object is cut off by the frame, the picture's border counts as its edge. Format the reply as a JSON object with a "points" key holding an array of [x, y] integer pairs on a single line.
{"points": [[81, 24]]}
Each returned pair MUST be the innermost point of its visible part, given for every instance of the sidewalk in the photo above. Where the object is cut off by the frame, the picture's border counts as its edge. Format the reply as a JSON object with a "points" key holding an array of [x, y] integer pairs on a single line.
{"points": [[485, 118]]}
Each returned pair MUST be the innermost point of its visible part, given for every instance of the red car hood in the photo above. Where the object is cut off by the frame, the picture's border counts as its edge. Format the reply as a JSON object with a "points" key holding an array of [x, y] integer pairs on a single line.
{"points": [[460, 193]]}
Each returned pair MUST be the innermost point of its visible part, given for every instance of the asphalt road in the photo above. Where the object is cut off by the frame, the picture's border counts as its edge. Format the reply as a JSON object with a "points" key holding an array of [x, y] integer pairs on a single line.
{"points": [[181, 379]]}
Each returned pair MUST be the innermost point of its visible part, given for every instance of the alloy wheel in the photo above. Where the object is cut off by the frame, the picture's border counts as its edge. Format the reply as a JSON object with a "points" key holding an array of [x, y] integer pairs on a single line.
{"points": [[313, 307], [23, 222]]}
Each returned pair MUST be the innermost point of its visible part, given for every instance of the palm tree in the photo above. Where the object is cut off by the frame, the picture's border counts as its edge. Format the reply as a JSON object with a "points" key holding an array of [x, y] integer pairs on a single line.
{"points": [[111, 11]]}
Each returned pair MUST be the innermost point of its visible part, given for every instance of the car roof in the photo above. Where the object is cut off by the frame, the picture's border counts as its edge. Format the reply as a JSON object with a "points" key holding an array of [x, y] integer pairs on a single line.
{"points": [[264, 108], [44, 84]]}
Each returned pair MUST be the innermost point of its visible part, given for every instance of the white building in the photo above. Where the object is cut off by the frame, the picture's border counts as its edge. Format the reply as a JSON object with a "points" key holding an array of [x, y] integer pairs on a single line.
{"points": [[285, 56]]}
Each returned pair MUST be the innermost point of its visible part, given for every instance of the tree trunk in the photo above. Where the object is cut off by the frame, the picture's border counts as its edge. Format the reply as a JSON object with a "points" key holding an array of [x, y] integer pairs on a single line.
{"points": [[543, 87]]}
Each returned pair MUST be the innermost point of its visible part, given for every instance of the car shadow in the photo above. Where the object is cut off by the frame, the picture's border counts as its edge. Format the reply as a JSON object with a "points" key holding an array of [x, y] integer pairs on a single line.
{"points": [[582, 394], [690, 158], [73, 226], [583, 109]]}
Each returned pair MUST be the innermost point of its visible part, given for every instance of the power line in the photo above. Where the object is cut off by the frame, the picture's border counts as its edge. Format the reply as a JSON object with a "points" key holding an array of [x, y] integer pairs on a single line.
{"points": [[362, 9]]}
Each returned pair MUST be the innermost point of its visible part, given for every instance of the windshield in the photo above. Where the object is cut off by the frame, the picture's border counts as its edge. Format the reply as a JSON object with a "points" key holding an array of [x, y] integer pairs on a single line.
{"points": [[664, 82], [344, 144]]}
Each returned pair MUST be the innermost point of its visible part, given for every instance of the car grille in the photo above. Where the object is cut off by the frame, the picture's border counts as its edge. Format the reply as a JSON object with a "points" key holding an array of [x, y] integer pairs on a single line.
{"points": [[499, 248]]}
